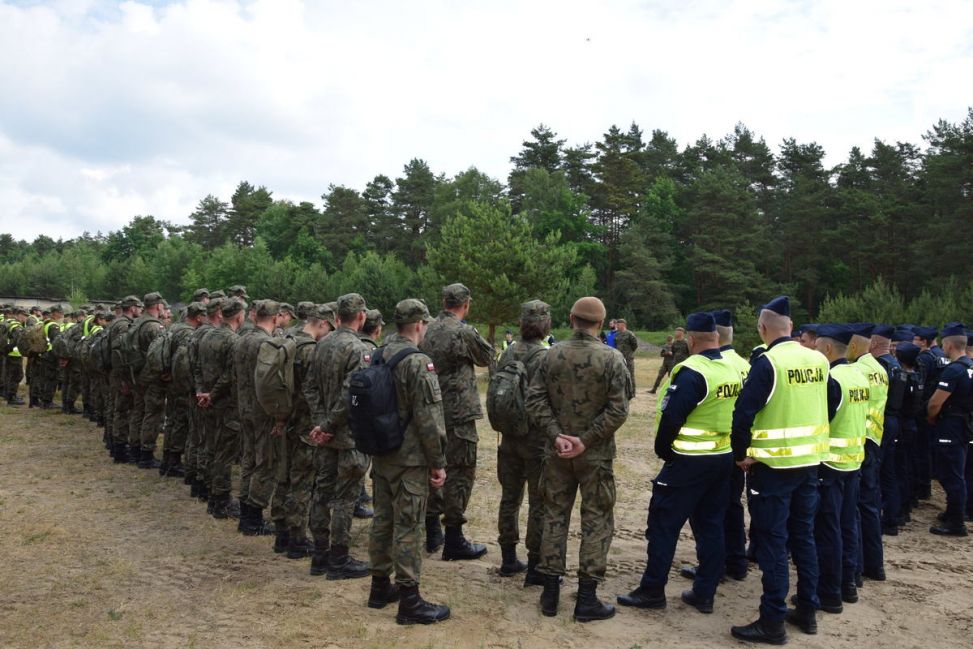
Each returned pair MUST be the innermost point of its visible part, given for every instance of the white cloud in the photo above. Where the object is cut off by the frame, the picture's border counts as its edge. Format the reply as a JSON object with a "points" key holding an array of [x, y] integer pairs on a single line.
{"points": [[116, 109]]}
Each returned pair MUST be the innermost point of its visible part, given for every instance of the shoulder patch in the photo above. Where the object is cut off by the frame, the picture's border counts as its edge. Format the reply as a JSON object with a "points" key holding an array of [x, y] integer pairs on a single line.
{"points": [[368, 358], [430, 367]]}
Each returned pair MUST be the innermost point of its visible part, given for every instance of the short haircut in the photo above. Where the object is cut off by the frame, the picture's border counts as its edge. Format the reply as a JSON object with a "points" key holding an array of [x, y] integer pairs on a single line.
{"points": [[534, 328], [726, 334], [956, 342]]}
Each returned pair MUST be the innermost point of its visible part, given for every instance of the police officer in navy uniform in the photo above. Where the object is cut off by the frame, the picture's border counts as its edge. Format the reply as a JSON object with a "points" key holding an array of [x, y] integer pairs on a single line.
{"points": [[909, 383], [949, 410], [779, 434], [881, 345], [694, 440], [931, 363], [969, 450]]}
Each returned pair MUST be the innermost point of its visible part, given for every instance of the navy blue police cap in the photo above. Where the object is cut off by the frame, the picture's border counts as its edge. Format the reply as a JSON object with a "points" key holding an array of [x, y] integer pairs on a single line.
{"points": [[926, 333], [808, 328], [780, 305], [901, 335], [703, 322], [723, 318], [863, 329], [907, 353], [954, 329], [840, 332], [883, 330]]}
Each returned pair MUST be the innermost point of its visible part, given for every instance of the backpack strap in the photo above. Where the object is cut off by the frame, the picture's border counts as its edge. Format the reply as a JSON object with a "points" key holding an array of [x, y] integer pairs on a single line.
{"points": [[395, 360]]}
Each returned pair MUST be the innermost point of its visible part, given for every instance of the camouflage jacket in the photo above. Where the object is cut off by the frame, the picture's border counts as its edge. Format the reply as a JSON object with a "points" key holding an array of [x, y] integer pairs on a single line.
{"points": [[216, 350], [455, 348], [627, 343], [194, 365], [680, 351], [527, 353], [245, 350], [369, 343], [116, 333], [580, 390], [148, 327], [335, 359], [420, 402], [299, 424]]}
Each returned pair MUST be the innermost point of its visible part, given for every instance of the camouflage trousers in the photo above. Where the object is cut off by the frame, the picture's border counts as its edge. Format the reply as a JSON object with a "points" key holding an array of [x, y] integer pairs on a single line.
{"points": [[46, 381], [178, 412], [154, 411], [194, 440], [122, 394], [517, 467], [86, 381], [300, 461], [267, 453], [135, 416], [13, 374], [397, 538], [337, 483], [451, 501], [222, 448], [561, 480], [630, 364], [71, 382], [246, 453], [97, 395]]}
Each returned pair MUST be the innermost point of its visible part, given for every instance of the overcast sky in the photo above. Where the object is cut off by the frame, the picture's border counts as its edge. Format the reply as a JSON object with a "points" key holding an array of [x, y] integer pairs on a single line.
{"points": [[108, 109]]}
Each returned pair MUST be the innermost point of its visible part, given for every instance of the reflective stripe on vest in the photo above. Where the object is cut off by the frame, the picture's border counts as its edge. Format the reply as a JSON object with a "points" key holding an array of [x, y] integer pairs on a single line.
{"points": [[47, 332], [791, 430], [15, 324], [878, 381], [846, 450], [706, 430]]}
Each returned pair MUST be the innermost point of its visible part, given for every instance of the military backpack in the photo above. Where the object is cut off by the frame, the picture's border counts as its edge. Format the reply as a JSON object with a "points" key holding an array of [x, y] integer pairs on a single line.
{"points": [[507, 396], [34, 341], [373, 408], [99, 353], [133, 357], [273, 376], [158, 359]]}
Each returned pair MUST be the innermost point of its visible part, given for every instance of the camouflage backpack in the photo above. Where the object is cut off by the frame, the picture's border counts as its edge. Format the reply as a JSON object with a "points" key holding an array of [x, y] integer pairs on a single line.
{"points": [[158, 359], [273, 377], [131, 353], [99, 352], [35, 340], [507, 395]]}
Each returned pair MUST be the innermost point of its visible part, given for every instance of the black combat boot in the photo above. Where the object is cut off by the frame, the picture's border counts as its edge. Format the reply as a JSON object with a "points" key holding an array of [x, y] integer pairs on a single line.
{"points": [[588, 607], [643, 597], [434, 534], [551, 595], [175, 468], [282, 540], [14, 400], [147, 459], [121, 452], [194, 489], [458, 548], [68, 407], [299, 547], [950, 529], [803, 617], [134, 454], [510, 565], [203, 494], [190, 477], [701, 604], [382, 593], [415, 610], [849, 592], [342, 565], [532, 577], [255, 525], [244, 517], [34, 403], [761, 631], [224, 507], [320, 558]]}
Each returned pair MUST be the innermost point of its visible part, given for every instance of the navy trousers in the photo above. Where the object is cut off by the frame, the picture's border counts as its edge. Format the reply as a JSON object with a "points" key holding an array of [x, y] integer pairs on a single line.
{"points": [[836, 531], [870, 511], [783, 503], [888, 476], [735, 535], [951, 471], [693, 488]]}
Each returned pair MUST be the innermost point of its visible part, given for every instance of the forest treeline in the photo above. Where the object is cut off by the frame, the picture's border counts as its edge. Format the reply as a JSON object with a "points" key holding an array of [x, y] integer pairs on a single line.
{"points": [[656, 230]]}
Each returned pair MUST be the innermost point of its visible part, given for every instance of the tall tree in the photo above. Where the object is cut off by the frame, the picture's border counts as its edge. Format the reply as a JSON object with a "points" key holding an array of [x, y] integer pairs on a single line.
{"points": [[247, 204], [412, 200], [208, 228], [541, 152]]}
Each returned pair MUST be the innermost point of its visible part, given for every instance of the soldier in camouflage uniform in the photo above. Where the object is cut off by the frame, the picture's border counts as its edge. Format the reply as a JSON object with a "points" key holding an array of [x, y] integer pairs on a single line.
{"points": [[519, 459], [627, 344], [577, 400], [402, 478], [197, 469], [148, 400], [71, 382], [340, 466], [34, 317], [13, 371], [257, 486], [370, 334], [320, 322], [180, 401], [456, 348], [48, 371], [120, 379], [219, 400], [201, 295], [245, 406], [304, 311]]}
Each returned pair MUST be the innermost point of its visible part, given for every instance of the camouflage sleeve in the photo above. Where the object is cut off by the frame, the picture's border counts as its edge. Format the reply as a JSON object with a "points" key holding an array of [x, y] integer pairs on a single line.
{"points": [[615, 412], [224, 384], [194, 365], [149, 333], [480, 351], [427, 415], [312, 391], [337, 417], [538, 404]]}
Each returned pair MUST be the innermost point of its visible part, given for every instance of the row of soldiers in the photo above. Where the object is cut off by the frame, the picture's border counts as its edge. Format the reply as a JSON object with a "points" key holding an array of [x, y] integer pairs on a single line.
{"points": [[803, 432]]}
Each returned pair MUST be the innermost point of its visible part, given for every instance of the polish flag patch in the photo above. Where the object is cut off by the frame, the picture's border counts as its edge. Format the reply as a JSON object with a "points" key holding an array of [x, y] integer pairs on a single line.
{"points": [[430, 367], [368, 358]]}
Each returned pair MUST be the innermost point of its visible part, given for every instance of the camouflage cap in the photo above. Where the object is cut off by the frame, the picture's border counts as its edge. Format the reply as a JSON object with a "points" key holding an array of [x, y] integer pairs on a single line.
{"points": [[589, 308], [287, 306], [304, 309], [56, 308], [373, 318], [19, 310], [267, 308], [232, 307], [534, 310], [238, 290], [200, 294], [195, 309], [35, 308], [129, 301], [153, 298], [80, 312], [214, 306], [217, 295], [254, 305], [325, 312], [350, 305], [456, 295], [411, 310]]}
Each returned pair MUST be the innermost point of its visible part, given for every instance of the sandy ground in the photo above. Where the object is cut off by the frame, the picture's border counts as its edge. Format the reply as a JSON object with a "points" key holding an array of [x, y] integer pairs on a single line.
{"points": [[98, 555]]}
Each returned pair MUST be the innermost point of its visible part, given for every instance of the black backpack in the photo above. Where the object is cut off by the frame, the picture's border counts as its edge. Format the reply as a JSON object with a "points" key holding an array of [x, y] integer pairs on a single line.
{"points": [[373, 409]]}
